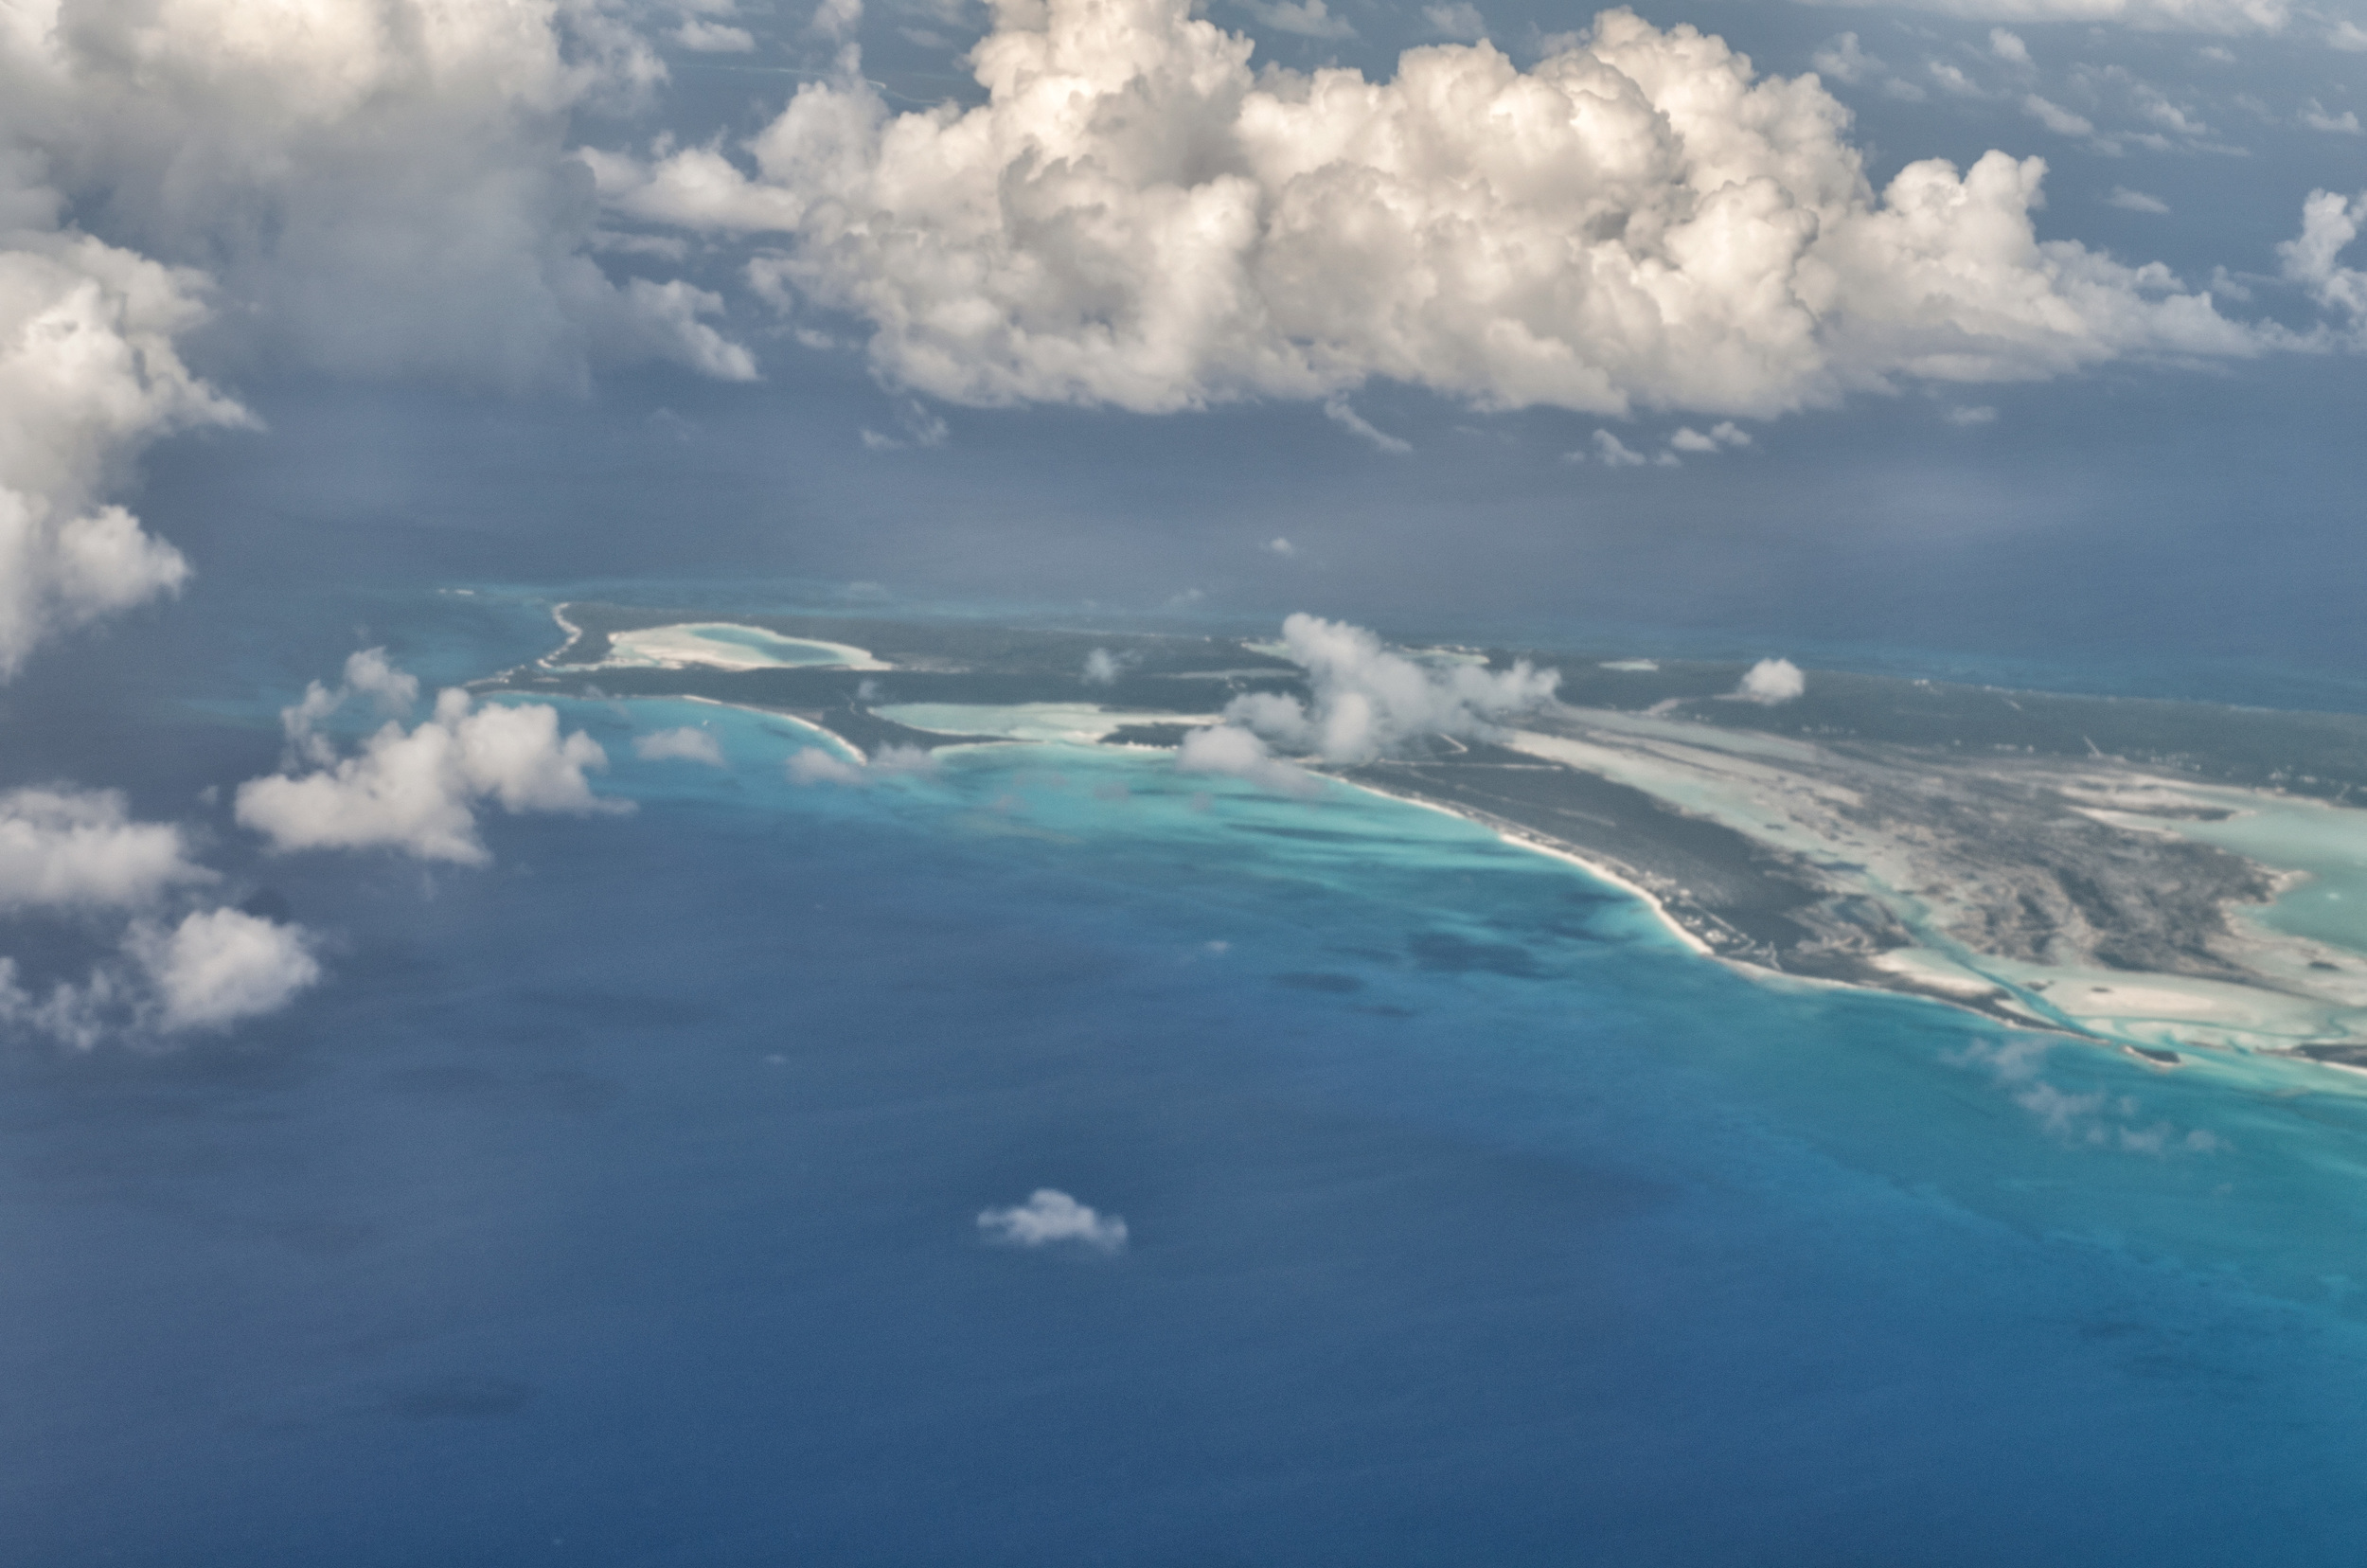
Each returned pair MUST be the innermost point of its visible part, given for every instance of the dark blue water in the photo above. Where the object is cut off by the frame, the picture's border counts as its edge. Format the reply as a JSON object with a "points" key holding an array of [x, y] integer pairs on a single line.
{"points": [[617, 1205]]}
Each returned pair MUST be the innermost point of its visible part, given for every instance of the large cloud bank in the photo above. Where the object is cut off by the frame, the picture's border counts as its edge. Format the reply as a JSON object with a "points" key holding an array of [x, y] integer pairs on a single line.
{"points": [[1137, 218], [384, 184], [365, 187], [417, 791]]}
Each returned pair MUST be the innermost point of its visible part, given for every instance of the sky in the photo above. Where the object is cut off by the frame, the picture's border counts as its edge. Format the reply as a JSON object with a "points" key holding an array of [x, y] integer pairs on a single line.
{"points": [[2020, 328]]}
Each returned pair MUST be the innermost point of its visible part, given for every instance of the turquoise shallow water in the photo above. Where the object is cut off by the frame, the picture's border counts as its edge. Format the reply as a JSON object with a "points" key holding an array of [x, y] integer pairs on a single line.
{"points": [[617, 1204]]}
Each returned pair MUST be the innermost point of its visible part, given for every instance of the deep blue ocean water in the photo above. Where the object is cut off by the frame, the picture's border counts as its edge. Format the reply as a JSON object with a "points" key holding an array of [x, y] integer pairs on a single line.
{"points": [[617, 1204]]}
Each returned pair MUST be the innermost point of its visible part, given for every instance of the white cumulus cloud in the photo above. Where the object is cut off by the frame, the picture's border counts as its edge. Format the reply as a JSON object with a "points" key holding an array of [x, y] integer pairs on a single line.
{"points": [[1051, 1216], [1370, 701], [1771, 681], [63, 849], [1134, 217], [2313, 259], [88, 375], [219, 967], [212, 969], [1229, 749], [418, 791]]}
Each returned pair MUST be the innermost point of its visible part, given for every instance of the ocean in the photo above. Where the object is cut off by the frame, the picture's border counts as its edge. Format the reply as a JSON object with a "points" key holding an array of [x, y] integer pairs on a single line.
{"points": [[619, 1203]]}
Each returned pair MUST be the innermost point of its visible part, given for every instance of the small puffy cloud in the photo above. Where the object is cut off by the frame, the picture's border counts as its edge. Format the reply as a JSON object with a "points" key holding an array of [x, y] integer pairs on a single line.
{"points": [[1306, 18], [1134, 217], [66, 848], [1844, 60], [714, 38], [837, 18], [368, 673], [220, 966], [1338, 412], [1461, 22], [2211, 16], [1103, 667], [1281, 546], [2096, 1118], [2348, 36], [2315, 115], [1370, 701], [2135, 201], [1723, 434], [1611, 452], [816, 765], [921, 429], [2008, 46], [1051, 1218], [2313, 260], [418, 791], [1771, 681], [1953, 78], [688, 743], [1967, 417], [2055, 118], [1235, 753]]}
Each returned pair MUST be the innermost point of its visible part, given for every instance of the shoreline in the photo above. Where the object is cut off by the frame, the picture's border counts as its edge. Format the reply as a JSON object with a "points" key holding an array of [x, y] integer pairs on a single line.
{"points": [[1596, 869], [1705, 932], [1757, 973]]}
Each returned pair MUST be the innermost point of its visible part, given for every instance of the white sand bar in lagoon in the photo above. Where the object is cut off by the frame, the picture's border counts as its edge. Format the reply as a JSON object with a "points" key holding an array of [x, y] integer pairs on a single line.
{"points": [[723, 645], [1081, 723]]}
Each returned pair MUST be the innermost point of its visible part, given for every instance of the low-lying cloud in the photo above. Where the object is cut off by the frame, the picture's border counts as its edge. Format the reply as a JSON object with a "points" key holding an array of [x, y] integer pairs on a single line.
{"points": [[1235, 753], [1771, 681], [1052, 1218], [818, 765], [65, 849], [88, 376], [78, 852], [1369, 700], [688, 743], [418, 791], [2095, 1118], [1366, 702], [212, 969]]}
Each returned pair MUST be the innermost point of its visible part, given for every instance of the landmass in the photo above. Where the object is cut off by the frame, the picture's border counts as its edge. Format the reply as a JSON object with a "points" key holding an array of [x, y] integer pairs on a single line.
{"points": [[2042, 857]]}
